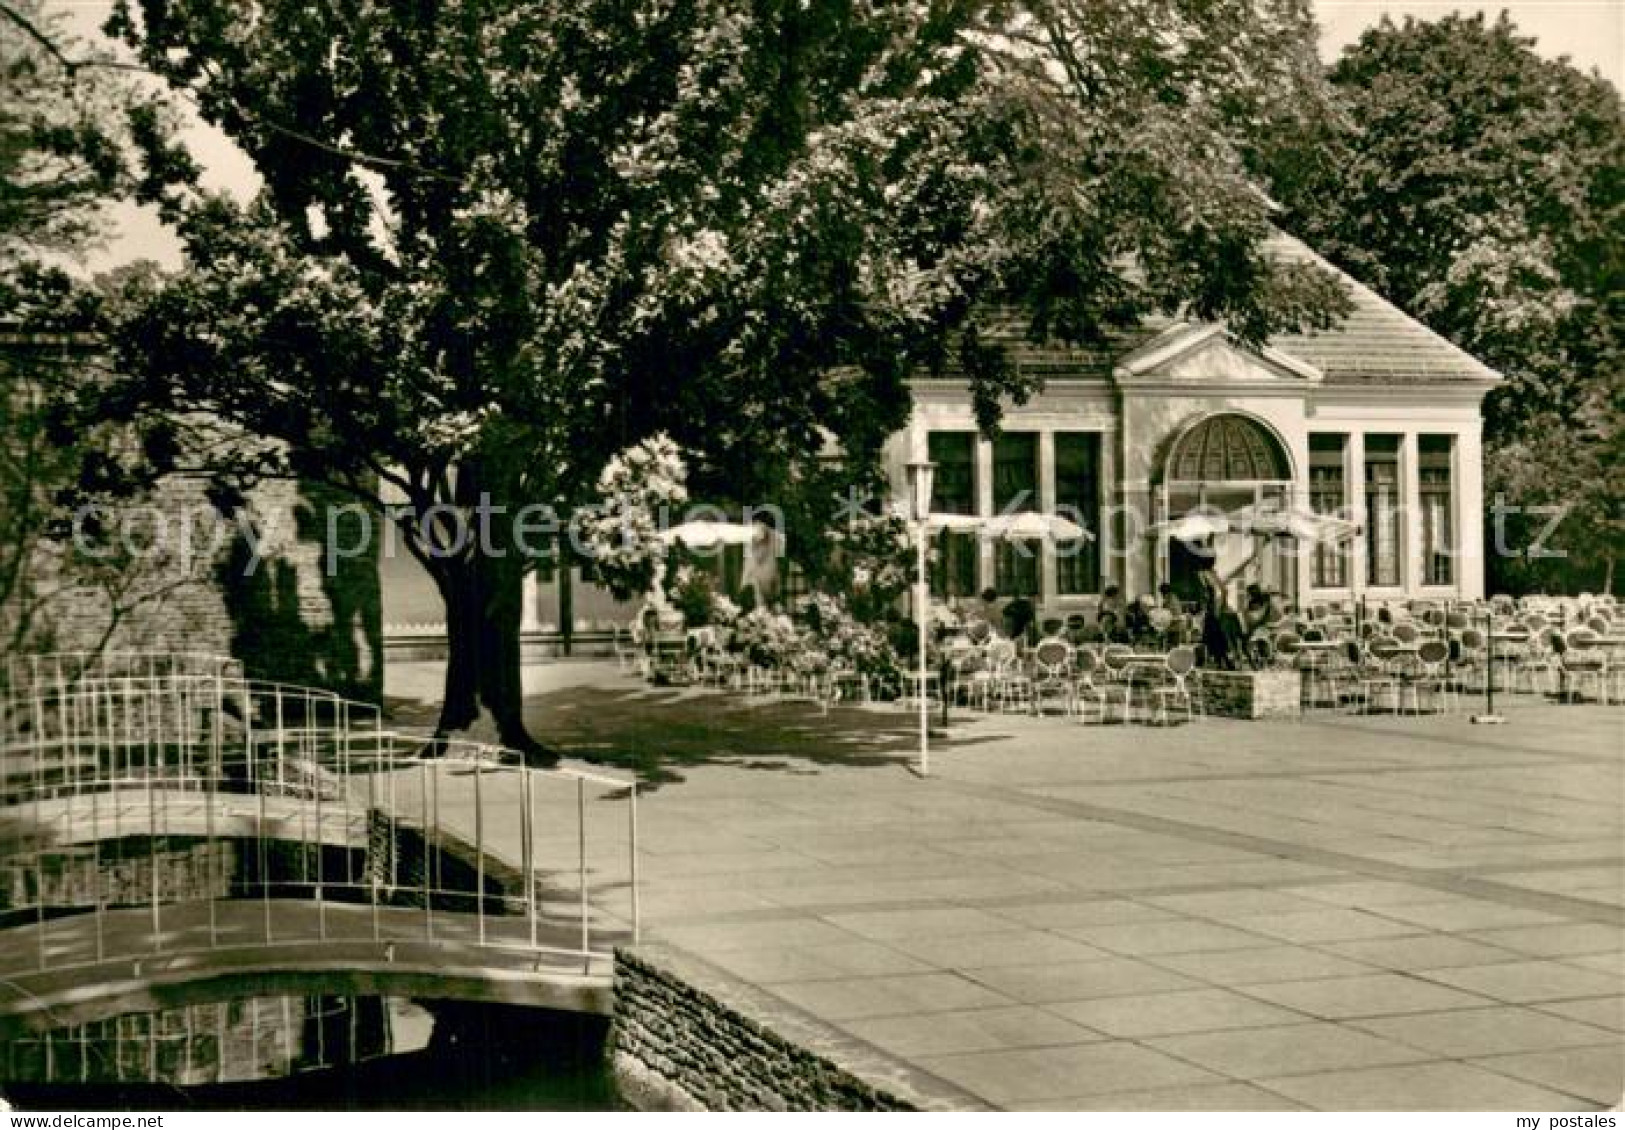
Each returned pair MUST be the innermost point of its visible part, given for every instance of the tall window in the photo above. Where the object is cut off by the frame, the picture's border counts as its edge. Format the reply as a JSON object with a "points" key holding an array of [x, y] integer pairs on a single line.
{"points": [[1382, 504], [1077, 496], [1433, 462], [1328, 495], [1015, 489], [954, 492], [1015, 472]]}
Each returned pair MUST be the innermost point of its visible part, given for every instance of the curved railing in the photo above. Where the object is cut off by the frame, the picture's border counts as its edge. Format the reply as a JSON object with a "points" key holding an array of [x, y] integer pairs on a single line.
{"points": [[189, 813], [20, 674]]}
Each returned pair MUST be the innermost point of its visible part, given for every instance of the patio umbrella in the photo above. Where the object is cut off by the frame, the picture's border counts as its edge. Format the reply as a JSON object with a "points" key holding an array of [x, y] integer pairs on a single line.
{"points": [[1033, 526], [1196, 526], [702, 534], [939, 520]]}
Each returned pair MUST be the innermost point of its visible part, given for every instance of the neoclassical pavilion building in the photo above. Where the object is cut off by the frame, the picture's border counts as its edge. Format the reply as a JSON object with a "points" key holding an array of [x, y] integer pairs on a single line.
{"points": [[1377, 420]]}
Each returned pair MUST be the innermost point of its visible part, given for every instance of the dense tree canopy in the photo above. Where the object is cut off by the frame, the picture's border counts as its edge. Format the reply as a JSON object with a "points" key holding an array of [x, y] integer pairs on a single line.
{"points": [[74, 134], [1482, 188], [499, 241]]}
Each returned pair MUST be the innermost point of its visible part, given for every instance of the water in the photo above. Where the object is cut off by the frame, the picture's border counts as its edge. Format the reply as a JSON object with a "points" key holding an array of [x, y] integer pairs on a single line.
{"points": [[467, 1057]]}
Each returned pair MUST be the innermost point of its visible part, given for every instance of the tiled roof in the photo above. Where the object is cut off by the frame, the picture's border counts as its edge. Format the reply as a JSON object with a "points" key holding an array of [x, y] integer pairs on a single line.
{"points": [[1376, 343]]}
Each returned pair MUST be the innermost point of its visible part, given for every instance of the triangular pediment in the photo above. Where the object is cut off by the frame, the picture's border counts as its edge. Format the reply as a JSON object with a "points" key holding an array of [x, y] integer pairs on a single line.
{"points": [[1209, 355]]}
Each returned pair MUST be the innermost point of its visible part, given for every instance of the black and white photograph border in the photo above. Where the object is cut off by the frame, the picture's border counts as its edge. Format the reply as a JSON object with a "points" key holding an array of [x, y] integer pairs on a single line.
{"points": [[811, 556]]}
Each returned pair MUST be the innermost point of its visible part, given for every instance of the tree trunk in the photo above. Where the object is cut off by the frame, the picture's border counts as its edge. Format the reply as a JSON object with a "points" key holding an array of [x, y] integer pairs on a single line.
{"points": [[484, 694], [484, 594]]}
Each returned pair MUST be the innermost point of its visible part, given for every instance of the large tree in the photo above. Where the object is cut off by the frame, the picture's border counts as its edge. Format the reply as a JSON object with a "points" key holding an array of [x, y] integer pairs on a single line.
{"points": [[499, 241], [1482, 187], [75, 134]]}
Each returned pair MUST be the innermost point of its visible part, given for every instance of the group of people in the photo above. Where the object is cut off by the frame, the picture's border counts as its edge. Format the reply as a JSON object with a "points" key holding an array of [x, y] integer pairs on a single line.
{"points": [[1238, 637], [1230, 637]]}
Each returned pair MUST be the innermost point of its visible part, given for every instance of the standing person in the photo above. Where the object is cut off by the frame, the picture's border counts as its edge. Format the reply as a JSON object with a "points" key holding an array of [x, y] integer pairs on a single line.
{"points": [[1222, 641]]}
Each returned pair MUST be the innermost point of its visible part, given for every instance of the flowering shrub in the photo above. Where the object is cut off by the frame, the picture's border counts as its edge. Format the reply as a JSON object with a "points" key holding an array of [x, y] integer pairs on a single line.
{"points": [[724, 612], [693, 594], [767, 638], [845, 641], [621, 530]]}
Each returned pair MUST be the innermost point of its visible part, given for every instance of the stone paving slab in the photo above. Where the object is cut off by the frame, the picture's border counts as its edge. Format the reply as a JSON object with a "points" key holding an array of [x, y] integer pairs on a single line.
{"points": [[1335, 913], [1428, 1086], [1501, 1030]]}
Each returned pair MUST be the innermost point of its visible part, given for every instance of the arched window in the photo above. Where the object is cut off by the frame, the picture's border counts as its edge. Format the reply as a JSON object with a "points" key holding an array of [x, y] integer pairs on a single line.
{"points": [[1228, 448]]}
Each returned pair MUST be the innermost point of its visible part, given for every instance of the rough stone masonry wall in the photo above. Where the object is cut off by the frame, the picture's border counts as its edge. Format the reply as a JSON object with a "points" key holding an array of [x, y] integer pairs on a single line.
{"points": [[687, 1036], [287, 617]]}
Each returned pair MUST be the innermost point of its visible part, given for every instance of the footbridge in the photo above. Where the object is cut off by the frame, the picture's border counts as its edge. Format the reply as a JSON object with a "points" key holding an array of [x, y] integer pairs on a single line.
{"points": [[173, 833]]}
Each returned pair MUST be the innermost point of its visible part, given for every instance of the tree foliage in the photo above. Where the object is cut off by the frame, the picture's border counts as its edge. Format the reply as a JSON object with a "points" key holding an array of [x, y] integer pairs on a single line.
{"points": [[499, 241], [1482, 188], [74, 135]]}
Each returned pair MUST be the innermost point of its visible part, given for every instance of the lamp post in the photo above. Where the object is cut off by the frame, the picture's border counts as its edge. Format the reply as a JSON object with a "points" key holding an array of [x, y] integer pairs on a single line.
{"points": [[921, 474], [1489, 717]]}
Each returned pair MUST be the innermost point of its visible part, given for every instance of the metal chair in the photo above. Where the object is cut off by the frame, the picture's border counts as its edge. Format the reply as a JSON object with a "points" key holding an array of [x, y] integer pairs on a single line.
{"points": [[1177, 668], [1052, 673], [1580, 662], [1087, 670]]}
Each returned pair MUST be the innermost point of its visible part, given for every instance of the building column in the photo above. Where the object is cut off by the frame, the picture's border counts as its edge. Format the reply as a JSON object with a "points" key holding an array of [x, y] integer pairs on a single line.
{"points": [[1046, 504], [1410, 501], [1354, 491], [984, 508], [1303, 557], [1111, 499], [1467, 487]]}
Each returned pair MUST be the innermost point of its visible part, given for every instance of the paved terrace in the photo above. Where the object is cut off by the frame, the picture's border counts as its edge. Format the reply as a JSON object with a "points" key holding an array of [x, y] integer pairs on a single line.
{"points": [[1343, 913]]}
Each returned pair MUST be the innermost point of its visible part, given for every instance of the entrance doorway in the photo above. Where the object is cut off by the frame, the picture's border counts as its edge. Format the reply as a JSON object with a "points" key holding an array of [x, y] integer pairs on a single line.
{"points": [[1219, 465]]}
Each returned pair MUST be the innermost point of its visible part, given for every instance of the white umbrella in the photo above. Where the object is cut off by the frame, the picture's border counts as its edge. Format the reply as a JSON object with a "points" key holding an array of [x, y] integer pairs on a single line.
{"points": [[1032, 526], [1294, 522], [702, 534], [1198, 525], [940, 520]]}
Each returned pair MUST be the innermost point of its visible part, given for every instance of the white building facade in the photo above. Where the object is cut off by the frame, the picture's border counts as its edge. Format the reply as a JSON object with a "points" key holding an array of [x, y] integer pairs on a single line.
{"points": [[1377, 421]]}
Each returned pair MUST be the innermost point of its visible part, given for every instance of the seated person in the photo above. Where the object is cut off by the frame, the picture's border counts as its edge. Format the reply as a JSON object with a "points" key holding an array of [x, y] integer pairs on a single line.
{"points": [[988, 613], [1019, 617], [1137, 620], [1168, 599], [1259, 614], [1112, 601], [1109, 630]]}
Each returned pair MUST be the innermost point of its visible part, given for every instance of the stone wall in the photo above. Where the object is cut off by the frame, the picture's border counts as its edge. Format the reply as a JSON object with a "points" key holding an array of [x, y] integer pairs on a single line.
{"points": [[1271, 693], [688, 1036], [121, 874], [194, 583]]}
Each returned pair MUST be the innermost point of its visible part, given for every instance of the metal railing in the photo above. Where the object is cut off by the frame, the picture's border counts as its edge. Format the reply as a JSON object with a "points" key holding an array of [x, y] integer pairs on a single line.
{"points": [[20, 674], [184, 813]]}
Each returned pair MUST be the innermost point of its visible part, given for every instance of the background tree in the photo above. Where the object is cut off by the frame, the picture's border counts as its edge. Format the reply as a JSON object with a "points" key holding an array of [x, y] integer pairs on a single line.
{"points": [[75, 134], [499, 241], [1482, 188]]}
